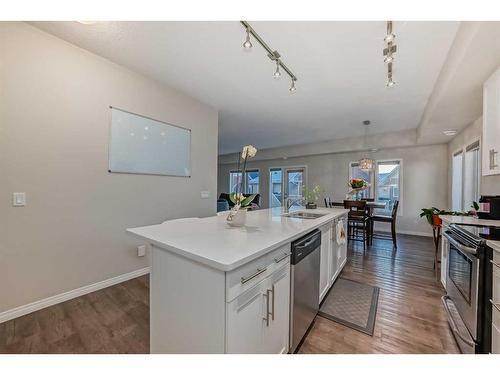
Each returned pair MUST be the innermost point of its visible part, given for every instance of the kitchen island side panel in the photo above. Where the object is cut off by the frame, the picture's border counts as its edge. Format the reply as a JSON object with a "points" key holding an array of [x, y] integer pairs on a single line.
{"points": [[187, 302]]}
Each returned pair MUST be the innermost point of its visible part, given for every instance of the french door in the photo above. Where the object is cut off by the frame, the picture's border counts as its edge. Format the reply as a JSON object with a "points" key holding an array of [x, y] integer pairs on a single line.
{"points": [[285, 183]]}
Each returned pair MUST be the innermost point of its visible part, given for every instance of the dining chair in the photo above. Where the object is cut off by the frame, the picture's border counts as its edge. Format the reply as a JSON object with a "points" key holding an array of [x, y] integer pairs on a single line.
{"points": [[357, 221], [391, 220], [331, 204]]}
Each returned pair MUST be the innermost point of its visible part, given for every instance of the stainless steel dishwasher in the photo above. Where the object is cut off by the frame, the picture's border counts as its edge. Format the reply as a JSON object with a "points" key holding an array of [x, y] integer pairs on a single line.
{"points": [[304, 288]]}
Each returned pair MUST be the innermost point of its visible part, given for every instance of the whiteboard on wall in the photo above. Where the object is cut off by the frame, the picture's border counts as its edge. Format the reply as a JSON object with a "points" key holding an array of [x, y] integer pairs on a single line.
{"points": [[142, 145]]}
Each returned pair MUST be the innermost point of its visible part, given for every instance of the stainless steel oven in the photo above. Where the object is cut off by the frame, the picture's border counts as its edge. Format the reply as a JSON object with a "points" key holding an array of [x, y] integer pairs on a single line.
{"points": [[467, 289]]}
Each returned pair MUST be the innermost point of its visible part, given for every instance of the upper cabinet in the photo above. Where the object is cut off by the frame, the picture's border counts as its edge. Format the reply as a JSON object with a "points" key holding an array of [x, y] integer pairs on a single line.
{"points": [[491, 125]]}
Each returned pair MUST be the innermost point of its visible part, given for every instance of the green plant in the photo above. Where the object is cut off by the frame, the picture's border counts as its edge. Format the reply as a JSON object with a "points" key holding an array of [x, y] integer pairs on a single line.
{"points": [[429, 212], [311, 195], [243, 201]]}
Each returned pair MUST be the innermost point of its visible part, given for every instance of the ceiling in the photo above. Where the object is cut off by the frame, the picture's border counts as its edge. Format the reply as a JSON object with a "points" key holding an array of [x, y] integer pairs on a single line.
{"points": [[339, 66], [457, 98]]}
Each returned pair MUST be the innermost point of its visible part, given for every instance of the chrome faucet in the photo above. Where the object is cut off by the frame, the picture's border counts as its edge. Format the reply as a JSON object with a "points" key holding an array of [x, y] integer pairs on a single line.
{"points": [[289, 202]]}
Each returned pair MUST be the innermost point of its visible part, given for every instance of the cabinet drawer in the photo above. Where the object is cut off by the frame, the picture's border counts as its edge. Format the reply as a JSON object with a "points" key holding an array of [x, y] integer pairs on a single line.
{"points": [[495, 340], [245, 277]]}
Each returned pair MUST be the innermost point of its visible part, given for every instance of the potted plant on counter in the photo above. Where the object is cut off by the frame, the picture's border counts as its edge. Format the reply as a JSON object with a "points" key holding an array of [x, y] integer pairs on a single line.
{"points": [[238, 215], [311, 196], [432, 214]]}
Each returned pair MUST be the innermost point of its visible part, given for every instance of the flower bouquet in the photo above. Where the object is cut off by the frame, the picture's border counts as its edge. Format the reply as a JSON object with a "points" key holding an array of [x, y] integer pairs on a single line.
{"points": [[357, 185], [238, 214]]}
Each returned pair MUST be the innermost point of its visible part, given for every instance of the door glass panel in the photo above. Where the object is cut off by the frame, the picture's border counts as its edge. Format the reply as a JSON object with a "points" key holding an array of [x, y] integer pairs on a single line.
{"points": [[275, 187], [460, 272], [294, 184]]}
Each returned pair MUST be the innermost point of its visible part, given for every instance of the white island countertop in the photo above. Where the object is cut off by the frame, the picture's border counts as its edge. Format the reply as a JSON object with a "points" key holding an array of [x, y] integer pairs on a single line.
{"points": [[211, 241], [470, 220]]}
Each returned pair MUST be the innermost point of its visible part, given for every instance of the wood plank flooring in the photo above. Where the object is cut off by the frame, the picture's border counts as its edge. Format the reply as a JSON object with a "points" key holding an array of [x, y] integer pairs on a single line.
{"points": [[410, 318], [111, 320]]}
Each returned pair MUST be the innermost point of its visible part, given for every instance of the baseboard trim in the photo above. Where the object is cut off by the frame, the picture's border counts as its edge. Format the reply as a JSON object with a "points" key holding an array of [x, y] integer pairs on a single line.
{"points": [[66, 296], [423, 234]]}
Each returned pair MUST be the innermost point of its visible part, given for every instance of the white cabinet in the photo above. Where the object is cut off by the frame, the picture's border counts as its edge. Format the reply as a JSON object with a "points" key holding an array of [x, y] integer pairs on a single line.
{"points": [[245, 319], [325, 255], [276, 331], [491, 125], [258, 320], [333, 256]]}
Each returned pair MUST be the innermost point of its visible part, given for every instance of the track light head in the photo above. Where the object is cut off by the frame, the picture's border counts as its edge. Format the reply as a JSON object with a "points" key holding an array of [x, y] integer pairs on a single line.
{"points": [[390, 83], [389, 38], [277, 73], [248, 44], [292, 87]]}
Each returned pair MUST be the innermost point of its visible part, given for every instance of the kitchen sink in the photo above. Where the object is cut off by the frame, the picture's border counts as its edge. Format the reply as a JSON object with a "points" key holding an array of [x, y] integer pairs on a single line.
{"points": [[303, 215]]}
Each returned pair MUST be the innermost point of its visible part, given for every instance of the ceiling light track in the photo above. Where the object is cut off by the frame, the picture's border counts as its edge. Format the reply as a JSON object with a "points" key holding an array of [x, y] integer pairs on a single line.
{"points": [[273, 55], [389, 51]]}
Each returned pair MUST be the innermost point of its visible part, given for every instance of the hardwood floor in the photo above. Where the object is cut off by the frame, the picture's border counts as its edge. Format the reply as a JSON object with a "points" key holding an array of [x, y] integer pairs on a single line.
{"points": [[410, 318], [111, 320]]}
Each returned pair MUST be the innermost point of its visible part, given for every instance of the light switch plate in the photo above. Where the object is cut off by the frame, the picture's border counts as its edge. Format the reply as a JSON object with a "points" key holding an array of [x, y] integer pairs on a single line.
{"points": [[205, 194], [141, 250], [19, 199]]}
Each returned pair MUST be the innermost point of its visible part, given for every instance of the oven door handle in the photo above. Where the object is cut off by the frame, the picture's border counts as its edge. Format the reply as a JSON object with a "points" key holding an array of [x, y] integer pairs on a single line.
{"points": [[453, 326], [459, 246]]}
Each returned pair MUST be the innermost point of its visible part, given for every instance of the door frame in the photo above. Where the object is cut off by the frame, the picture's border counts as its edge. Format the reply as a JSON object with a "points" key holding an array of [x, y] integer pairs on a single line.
{"points": [[283, 171]]}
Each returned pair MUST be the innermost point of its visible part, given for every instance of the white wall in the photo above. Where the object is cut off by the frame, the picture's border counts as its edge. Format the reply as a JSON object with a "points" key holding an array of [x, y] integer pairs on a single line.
{"points": [[424, 176], [489, 185], [54, 124]]}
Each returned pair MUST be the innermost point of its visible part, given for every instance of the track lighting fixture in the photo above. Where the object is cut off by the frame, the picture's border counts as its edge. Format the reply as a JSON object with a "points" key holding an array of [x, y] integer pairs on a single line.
{"points": [[277, 72], [389, 58], [248, 44], [272, 54], [390, 82], [390, 38], [389, 51]]}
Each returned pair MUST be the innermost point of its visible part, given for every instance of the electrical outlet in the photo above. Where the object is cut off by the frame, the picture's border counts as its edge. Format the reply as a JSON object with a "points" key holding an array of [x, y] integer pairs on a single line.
{"points": [[141, 250], [205, 194], [19, 199]]}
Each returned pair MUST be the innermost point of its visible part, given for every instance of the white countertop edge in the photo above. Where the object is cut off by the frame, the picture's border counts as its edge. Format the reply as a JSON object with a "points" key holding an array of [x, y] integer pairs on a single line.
{"points": [[229, 267]]}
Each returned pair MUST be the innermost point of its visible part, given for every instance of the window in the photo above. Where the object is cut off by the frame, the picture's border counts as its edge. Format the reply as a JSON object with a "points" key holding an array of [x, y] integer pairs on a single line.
{"points": [[252, 181], [472, 175], [356, 172], [235, 181], [388, 184], [456, 181]]}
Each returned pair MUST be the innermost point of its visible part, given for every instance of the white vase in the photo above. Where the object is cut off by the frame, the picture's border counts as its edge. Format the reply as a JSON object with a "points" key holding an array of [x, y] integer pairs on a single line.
{"points": [[238, 219]]}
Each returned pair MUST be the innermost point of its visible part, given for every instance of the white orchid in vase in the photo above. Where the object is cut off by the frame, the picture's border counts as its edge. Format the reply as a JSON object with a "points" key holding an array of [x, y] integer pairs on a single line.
{"points": [[241, 203]]}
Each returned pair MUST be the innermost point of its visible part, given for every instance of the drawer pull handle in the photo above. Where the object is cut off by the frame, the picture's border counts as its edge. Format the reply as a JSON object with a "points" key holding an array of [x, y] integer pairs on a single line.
{"points": [[277, 260], [252, 276], [272, 304], [495, 305], [266, 319], [493, 164]]}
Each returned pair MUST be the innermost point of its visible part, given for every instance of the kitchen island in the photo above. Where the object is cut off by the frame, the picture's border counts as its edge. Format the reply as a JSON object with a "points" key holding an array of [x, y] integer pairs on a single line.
{"points": [[222, 289]]}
